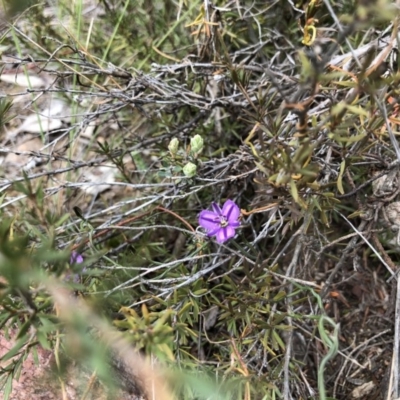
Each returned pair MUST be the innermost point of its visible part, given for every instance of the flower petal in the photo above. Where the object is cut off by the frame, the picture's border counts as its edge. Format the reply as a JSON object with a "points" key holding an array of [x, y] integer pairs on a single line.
{"points": [[231, 211], [216, 208], [75, 258], [225, 234], [213, 232], [209, 220]]}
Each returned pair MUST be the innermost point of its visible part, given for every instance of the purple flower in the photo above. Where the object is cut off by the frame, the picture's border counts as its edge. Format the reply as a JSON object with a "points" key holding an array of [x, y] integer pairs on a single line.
{"points": [[221, 223], [75, 258]]}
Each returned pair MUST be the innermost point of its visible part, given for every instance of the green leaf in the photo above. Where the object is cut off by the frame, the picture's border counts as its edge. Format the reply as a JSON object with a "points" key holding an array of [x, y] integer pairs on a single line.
{"points": [[357, 110], [262, 168], [235, 76], [279, 296], [17, 347], [8, 387], [185, 307], [348, 139], [348, 84], [5, 106], [42, 338], [293, 190], [338, 109], [35, 355], [301, 155], [200, 292], [340, 177], [24, 328]]}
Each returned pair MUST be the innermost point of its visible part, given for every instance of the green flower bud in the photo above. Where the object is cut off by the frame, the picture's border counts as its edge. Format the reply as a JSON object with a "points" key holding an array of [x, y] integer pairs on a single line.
{"points": [[173, 146], [196, 144], [190, 169]]}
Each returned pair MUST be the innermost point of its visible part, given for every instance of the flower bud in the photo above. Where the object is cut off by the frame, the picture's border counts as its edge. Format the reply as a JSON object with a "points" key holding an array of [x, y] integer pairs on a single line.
{"points": [[173, 146], [196, 144], [190, 170]]}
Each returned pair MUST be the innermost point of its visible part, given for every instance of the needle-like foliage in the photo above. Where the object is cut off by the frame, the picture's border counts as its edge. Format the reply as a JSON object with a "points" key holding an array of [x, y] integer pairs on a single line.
{"points": [[200, 199]]}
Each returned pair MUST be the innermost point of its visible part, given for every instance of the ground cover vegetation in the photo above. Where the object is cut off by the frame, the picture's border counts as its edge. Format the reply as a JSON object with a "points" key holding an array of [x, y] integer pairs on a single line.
{"points": [[199, 200]]}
